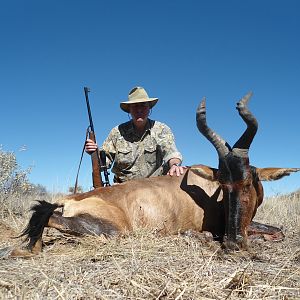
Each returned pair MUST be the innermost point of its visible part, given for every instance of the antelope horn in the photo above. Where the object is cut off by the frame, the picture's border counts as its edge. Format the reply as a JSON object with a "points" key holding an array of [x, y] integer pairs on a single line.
{"points": [[213, 137], [246, 139]]}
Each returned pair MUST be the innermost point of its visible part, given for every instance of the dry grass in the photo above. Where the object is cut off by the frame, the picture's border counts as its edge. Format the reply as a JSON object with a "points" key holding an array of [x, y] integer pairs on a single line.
{"points": [[144, 266]]}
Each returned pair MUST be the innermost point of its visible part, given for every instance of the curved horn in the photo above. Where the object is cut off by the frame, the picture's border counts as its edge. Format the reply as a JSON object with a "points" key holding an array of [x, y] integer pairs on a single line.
{"points": [[213, 137], [246, 139]]}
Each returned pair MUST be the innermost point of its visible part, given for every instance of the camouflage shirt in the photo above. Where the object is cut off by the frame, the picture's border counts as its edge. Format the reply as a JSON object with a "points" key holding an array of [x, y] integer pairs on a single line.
{"points": [[135, 156]]}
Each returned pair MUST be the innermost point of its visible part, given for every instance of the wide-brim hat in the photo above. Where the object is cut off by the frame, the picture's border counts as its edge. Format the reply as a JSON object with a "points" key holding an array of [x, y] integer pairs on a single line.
{"points": [[137, 95]]}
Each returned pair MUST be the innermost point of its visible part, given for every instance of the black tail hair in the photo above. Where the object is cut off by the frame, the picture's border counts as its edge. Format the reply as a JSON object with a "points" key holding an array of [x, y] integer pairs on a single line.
{"points": [[39, 219]]}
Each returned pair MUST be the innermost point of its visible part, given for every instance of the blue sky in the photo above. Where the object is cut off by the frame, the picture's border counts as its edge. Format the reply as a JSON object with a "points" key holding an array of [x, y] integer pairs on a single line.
{"points": [[179, 51]]}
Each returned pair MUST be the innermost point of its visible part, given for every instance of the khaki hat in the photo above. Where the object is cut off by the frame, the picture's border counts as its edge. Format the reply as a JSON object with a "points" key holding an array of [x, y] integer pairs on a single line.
{"points": [[137, 95]]}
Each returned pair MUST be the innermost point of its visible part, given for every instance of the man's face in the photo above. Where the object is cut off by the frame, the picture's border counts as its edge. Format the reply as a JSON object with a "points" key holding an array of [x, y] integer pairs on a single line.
{"points": [[139, 112]]}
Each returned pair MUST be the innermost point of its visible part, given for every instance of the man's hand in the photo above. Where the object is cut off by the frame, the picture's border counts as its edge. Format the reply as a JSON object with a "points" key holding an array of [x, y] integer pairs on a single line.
{"points": [[90, 146], [175, 168]]}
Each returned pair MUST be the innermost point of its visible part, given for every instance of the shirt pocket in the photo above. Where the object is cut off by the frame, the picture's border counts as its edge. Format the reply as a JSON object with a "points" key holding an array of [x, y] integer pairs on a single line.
{"points": [[150, 154], [124, 158]]}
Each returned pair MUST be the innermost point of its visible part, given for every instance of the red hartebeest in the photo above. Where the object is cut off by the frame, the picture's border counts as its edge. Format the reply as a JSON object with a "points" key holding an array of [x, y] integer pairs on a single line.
{"points": [[222, 201]]}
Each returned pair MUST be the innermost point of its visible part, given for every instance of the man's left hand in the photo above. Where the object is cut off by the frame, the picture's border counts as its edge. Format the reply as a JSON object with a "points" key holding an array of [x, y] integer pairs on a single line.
{"points": [[176, 170]]}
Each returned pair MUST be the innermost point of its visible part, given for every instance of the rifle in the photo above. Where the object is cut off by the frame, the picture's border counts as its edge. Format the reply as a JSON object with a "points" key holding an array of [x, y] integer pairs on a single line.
{"points": [[98, 159]]}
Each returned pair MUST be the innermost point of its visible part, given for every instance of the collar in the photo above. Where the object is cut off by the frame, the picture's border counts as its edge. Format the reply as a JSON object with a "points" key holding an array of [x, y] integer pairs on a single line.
{"points": [[149, 125]]}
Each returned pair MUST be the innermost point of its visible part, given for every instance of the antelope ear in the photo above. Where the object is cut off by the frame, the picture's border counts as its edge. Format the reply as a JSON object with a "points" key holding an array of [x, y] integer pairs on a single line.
{"points": [[267, 174], [205, 172]]}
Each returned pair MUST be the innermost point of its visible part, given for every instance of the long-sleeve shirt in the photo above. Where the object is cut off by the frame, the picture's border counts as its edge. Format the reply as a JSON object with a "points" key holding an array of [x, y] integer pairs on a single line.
{"points": [[135, 156]]}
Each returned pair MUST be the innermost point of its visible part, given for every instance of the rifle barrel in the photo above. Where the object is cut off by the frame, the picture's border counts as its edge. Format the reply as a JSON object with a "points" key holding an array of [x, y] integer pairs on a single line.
{"points": [[86, 93]]}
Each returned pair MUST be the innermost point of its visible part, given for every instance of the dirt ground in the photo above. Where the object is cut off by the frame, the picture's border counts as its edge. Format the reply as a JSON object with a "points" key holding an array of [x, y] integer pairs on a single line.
{"points": [[7, 233]]}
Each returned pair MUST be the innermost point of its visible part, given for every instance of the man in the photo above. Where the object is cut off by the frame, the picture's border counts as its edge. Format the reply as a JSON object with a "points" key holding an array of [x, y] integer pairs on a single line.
{"points": [[140, 147]]}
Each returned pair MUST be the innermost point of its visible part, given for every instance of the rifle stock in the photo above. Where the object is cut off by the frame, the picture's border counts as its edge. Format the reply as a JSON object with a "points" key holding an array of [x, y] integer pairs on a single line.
{"points": [[96, 163]]}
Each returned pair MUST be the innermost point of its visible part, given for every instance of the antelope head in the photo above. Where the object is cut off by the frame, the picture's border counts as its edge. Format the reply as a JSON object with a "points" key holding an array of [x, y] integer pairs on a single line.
{"points": [[242, 190]]}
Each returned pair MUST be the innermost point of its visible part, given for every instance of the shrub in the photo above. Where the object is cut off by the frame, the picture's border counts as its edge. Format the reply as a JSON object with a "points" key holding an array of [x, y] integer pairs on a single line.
{"points": [[16, 191]]}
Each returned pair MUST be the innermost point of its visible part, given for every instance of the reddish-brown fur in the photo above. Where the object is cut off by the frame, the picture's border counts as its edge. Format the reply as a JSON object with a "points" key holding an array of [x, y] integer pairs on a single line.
{"points": [[165, 204], [168, 204], [161, 203]]}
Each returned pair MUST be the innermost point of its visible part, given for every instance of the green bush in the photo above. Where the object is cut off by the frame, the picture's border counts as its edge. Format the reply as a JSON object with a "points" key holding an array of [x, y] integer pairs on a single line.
{"points": [[16, 191]]}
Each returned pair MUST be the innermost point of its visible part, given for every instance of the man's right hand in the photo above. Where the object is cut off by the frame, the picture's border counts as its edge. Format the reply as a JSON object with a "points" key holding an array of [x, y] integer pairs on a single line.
{"points": [[90, 146]]}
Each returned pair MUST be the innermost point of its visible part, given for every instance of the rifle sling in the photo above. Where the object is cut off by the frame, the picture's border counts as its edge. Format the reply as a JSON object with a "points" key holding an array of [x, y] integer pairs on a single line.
{"points": [[76, 182]]}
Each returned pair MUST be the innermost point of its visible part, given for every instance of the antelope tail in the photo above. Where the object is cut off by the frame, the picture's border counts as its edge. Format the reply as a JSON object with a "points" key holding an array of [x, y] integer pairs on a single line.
{"points": [[42, 211]]}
